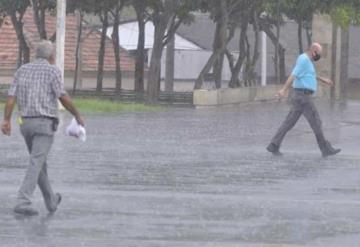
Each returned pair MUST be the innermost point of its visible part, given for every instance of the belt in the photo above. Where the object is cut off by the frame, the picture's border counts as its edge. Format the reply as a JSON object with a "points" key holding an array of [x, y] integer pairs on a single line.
{"points": [[46, 117], [304, 91]]}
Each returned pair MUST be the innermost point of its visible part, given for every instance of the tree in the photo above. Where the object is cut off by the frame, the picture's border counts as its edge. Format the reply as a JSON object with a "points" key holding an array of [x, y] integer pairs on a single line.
{"points": [[220, 13], [245, 14], [2, 17], [39, 10], [103, 10], [79, 8], [116, 44], [140, 7], [170, 65], [104, 17], [343, 15], [273, 17], [167, 15], [78, 52], [301, 11], [16, 10], [252, 55]]}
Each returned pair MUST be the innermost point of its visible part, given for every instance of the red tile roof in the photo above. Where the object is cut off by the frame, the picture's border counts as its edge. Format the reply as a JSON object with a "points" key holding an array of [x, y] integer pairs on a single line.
{"points": [[91, 44]]}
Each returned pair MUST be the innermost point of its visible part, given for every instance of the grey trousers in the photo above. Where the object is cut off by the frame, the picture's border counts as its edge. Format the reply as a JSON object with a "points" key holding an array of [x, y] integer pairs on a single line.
{"points": [[302, 104], [39, 136]]}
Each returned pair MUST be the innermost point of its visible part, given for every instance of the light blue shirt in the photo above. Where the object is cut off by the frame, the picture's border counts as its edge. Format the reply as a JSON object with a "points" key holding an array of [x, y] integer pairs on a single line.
{"points": [[304, 73]]}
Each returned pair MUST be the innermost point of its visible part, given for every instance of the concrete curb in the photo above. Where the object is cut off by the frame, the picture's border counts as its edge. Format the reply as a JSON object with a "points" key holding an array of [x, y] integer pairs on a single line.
{"points": [[227, 96]]}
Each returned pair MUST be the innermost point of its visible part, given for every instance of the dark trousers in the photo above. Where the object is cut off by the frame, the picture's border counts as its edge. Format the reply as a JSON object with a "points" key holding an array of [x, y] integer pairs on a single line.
{"points": [[302, 104]]}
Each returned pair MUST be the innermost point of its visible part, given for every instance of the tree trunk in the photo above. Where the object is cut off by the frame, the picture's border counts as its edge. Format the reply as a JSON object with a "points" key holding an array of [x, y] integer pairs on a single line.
{"points": [[155, 62], [116, 45], [164, 19], [300, 26], [220, 43], [78, 52], [170, 65], [256, 53], [219, 50], [308, 30], [140, 7], [24, 50], [20, 56], [280, 70], [333, 62], [219, 39], [199, 81], [235, 72], [39, 17], [344, 75], [100, 75], [277, 44]]}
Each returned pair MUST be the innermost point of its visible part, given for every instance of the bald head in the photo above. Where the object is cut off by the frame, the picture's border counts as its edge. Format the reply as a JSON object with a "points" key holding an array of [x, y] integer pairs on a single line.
{"points": [[316, 47], [315, 51]]}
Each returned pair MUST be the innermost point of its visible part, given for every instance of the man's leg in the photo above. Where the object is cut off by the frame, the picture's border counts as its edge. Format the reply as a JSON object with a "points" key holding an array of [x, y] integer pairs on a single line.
{"points": [[38, 140], [51, 200], [313, 117], [290, 121]]}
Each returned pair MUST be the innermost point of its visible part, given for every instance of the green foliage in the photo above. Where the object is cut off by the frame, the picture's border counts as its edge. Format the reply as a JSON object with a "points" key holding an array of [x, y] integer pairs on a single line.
{"points": [[181, 8], [345, 14], [7, 7], [107, 106], [91, 6]]}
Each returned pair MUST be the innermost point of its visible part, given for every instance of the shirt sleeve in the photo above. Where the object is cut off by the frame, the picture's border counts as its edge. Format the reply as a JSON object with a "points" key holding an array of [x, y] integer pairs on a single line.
{"points": [[57, 84], [299, 67], [14, 85]]}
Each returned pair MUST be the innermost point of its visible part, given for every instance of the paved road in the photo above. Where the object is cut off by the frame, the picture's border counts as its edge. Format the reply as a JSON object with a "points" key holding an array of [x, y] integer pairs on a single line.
{"points": [[192, 177]]}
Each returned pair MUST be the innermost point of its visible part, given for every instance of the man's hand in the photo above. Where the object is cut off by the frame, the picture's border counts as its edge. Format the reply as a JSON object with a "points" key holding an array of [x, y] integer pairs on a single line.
{"points": [[80, 121], [328, 81], [6, 127], [281, 93]]}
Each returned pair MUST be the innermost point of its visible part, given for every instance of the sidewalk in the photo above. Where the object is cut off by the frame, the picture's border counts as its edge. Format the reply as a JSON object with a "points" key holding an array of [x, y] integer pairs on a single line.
{"points": [[189, 178]]}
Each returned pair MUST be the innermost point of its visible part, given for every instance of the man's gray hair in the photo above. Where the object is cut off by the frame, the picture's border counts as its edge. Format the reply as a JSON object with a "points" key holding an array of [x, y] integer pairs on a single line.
{"points": [[44, 49]]}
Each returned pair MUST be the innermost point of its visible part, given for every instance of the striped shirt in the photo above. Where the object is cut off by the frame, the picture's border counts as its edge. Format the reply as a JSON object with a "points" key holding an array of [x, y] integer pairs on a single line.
{"points": [[37, 87]]}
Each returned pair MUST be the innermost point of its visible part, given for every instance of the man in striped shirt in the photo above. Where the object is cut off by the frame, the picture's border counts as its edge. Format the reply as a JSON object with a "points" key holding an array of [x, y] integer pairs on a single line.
{"points": [[36, 89]]}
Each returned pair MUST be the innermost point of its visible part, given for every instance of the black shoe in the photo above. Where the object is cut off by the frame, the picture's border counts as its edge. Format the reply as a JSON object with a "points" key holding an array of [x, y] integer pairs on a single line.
{"points": [[331, 152], [26, 210], [272, 148]]}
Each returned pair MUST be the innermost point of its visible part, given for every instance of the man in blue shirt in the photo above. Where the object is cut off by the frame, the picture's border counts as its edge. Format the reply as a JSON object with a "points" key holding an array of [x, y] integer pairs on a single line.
{"points": [[304, 82]]}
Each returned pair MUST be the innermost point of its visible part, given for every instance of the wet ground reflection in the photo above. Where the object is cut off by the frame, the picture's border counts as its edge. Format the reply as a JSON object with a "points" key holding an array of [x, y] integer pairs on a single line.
{"points": [[187, 177]]}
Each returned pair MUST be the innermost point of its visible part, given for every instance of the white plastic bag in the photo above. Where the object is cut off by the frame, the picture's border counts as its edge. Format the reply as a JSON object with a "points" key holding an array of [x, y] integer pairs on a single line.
{"points": [[76, 130]]}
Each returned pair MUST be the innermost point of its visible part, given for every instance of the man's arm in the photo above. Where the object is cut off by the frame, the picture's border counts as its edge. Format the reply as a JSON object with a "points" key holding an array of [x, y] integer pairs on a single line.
{"points": [[325, 81], [68, 104], [9, 107], [282, 92]]}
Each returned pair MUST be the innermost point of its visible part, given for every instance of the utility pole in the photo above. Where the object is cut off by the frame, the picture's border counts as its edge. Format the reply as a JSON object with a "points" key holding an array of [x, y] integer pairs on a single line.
{"points": [[60, 34], [60, 37]]}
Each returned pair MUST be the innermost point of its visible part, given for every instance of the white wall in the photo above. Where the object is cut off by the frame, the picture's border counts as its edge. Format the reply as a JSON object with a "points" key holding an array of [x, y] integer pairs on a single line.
{"points": [[188, 64]]}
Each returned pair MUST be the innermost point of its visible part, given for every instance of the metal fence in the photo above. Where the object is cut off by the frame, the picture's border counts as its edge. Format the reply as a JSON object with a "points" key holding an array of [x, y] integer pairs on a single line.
{"points": [[171, 98]]}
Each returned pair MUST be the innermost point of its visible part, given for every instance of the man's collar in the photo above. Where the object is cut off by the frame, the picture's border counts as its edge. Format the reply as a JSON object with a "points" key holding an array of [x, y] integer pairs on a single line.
{"points": [[308, 55], [41, 60]]}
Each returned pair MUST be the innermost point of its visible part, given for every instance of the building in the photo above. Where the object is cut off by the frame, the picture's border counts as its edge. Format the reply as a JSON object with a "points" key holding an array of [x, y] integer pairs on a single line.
{"points": [[90, 48]]}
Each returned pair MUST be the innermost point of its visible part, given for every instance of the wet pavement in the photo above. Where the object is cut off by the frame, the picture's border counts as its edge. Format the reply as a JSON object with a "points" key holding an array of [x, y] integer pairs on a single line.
{"points": [[192, 177]]}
